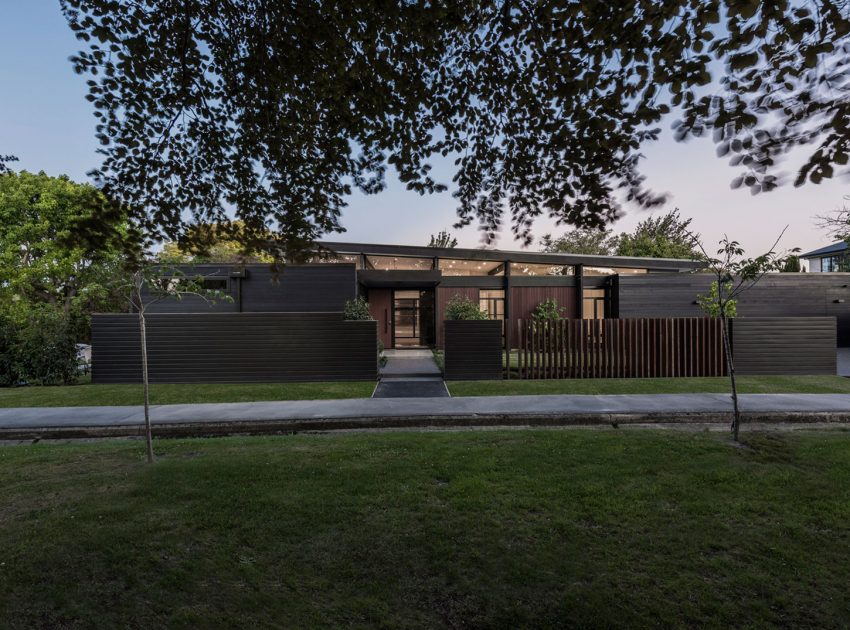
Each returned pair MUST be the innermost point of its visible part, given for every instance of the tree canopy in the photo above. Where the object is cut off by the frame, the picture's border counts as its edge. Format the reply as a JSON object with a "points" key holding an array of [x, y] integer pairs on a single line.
{"points": [[587, 241], [442, 239], [273, 112], [665, 236]]}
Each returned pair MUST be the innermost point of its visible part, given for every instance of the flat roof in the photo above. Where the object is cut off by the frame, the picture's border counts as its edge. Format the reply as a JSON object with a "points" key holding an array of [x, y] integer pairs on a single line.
{"points": [[414, 251], [840, 246]]}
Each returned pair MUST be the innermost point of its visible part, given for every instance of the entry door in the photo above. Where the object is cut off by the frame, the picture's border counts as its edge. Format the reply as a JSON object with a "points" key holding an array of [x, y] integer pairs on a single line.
{"points": [[413, 318]]}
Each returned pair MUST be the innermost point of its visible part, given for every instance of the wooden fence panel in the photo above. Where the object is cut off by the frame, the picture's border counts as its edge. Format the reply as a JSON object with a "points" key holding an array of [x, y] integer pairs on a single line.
{"points": [[620, 348]]}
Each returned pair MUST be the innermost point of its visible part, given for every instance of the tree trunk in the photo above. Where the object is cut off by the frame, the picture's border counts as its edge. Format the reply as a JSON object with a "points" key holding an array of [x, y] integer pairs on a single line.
{"points": [[727, 347], [144, 341]]}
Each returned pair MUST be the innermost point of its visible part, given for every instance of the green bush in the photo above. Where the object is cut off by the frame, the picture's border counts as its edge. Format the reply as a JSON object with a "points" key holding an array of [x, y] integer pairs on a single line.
{"points": [[357, 309], [460, 307], [548, 311], [40, 349]]}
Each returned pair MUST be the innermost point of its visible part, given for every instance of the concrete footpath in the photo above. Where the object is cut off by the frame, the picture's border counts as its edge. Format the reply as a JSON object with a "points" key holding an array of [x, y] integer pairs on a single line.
{"points": [[380, 413]]}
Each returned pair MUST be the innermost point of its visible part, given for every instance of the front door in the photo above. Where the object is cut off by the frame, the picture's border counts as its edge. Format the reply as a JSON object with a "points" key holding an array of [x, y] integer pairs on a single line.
{"points": [[413, 318]]}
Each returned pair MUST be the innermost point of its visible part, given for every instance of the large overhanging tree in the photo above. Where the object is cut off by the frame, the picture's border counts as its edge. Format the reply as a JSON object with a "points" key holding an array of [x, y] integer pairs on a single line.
{"points": [[273, 112]]}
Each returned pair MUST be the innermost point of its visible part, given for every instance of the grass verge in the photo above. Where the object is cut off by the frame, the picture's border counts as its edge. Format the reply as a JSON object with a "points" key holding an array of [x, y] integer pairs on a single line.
{"points": [[746, 385], [422, 530], [165, 394]]}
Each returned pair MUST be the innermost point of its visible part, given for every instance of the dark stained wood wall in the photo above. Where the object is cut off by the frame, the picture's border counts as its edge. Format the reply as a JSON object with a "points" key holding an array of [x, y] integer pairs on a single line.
{"points": [[473, 350], [234, 348], [776, 295], [784, 345], [525, 299], [381, 309]]}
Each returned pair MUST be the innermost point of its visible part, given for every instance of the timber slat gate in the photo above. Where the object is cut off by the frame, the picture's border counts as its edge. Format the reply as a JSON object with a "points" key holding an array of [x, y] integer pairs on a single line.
{"points": [[621, 348]]}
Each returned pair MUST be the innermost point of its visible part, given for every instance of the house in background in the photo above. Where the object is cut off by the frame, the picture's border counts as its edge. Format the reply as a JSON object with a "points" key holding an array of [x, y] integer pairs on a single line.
{"points": [[408, 287], [832, 258]]}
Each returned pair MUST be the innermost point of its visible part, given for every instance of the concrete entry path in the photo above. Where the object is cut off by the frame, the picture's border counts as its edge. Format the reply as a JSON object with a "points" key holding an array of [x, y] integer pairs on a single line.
{"points": [[410, 363], [410, 374]]}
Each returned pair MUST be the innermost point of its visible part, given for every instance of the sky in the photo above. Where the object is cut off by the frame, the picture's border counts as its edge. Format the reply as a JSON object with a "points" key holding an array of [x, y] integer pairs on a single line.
{"points": [[47, 123]]}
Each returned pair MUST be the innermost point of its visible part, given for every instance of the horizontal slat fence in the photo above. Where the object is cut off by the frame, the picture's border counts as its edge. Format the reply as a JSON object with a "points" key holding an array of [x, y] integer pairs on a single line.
{"points": [[620, 348], [234, 348]]}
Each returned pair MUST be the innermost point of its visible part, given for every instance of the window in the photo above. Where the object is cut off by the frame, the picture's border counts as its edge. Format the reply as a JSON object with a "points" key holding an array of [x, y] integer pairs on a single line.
{"points": [[336, 258], [593, 303], [492, 302], [194, 283], [610, 271], [399, 263], [454, 267], [834, 263], [530, 269]]}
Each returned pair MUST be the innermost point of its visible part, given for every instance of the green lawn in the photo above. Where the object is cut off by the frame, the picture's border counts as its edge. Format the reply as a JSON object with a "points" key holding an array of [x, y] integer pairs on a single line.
{"points": [[746, 384], [92, 395], [506, 529]]}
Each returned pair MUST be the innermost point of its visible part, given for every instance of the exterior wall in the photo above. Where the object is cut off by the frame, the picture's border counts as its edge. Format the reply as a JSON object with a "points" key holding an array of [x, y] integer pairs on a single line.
{"points": [[444, 294], [524, 300], [784, 345], [814, 264], [381, 309], [776, 295], [473, 350], [296, 289], [234, 348]]}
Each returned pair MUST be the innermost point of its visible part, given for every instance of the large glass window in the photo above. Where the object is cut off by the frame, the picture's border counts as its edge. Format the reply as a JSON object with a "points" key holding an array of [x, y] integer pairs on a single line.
{"points": [[834, 263], [413, 318], [336, 258], [492, 302], [610, 271], [593, 303], [529, 269], [399, 263], [455, 267]]}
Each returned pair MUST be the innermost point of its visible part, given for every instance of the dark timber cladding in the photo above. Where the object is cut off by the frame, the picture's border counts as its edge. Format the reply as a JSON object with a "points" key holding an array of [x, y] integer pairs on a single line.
{"points": [[784, 345], [234, 348], [473, 350], [776, 295]]}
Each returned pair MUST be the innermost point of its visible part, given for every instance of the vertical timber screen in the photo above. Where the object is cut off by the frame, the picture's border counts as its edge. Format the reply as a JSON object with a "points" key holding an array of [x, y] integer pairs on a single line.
{"points": [[620, 348]]}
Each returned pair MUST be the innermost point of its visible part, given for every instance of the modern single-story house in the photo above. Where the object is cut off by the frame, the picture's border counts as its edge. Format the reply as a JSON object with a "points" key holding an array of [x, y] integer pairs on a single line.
{"points": [[407, 288], [832, 258]]}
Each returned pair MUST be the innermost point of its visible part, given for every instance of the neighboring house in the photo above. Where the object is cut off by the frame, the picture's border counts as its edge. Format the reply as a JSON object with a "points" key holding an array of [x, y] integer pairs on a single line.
{"points": [[408, 287], [832, 258]]}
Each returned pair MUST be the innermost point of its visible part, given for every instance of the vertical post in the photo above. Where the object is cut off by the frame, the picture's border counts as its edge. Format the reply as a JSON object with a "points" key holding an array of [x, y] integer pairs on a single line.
{"points": [[508, 323], [579, 291]]}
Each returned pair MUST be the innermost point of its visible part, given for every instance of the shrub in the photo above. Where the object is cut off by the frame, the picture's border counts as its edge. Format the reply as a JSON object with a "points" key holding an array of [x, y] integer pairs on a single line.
{"points": [[9, 369], [46, 349], [460, 307], [548, 311], [357, 309]]}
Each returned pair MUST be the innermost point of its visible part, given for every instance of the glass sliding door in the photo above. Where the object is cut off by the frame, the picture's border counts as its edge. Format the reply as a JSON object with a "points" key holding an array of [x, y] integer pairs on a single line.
{"points": [[413, 319]]}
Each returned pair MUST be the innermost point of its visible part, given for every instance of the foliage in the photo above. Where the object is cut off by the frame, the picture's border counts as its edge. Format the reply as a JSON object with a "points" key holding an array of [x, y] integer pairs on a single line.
{"points": [[461, 307], [734, 275], [205, 106], [217, 243], [38, 349], [548, 311], [710, 302], [792, 265], [586, 241], [666, 236], [443, 239], [356, 309], [4, 163], [40, 261]]}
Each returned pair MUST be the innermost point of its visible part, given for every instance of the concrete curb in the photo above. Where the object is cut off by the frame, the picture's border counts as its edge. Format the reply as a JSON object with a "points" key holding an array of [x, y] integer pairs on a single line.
{"points": [[277, 426]]}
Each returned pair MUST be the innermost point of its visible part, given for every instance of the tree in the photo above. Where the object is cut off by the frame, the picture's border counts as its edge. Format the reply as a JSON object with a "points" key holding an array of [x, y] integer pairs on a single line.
{"points": [[210, 109], [666, 236], [39, 261], [212, 244], [792, 265], [443, 239], [150, 282], [734, 275], [590, 241]]}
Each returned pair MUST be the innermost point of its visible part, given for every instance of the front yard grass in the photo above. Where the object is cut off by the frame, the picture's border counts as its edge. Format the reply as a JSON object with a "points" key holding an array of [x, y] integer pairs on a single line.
{"points": [[498, 529], [746, 385], [84, 395]]}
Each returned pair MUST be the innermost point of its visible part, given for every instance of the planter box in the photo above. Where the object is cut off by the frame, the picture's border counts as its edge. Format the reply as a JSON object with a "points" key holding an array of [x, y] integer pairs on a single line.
{"points": [[473, 350]]}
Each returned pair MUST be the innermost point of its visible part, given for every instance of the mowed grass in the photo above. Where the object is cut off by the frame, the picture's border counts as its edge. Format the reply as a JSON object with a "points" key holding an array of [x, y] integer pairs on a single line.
{"points": [[507, 529], [746, 385], [84, 395]]}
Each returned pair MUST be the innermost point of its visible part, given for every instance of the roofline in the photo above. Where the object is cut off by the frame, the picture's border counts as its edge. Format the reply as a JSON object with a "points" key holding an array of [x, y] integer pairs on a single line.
{"points": [[836, 247], [415, 251]]}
